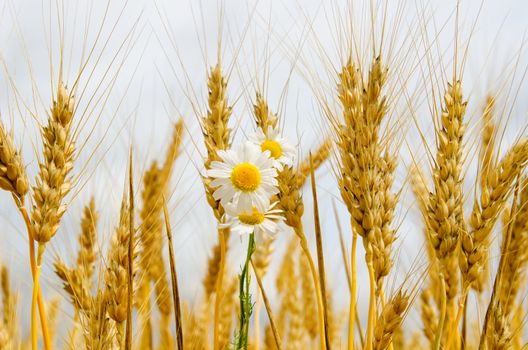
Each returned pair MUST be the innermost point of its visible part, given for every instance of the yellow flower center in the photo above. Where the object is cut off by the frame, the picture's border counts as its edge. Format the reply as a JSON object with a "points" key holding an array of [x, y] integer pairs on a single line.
{"points": [[245, 177], [273, 146], [255, 218]]}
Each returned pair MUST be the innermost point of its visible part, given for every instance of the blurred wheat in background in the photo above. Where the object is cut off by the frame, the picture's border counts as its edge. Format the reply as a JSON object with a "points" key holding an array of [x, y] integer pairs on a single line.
{"points": [[263, 175]]}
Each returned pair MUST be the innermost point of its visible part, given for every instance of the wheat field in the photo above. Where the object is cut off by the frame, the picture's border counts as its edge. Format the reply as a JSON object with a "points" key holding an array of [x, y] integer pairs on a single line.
{"points": [[263, 175]]}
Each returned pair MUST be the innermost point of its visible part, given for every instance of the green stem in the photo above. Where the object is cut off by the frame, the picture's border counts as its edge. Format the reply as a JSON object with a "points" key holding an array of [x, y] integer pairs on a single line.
{"points": [[245, 298]]}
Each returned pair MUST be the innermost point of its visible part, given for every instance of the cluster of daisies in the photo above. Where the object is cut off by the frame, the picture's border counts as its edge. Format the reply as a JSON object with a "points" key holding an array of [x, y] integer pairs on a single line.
{"points": [[245, 182]]}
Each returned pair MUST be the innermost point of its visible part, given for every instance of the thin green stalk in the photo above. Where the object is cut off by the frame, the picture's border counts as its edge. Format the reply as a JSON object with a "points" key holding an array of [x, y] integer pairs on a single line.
{"points": [[245, 298]]}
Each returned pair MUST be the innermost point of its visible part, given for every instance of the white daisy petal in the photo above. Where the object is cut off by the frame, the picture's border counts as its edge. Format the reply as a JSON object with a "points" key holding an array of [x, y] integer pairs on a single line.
{"points": [[245, 202], [244, 179]]}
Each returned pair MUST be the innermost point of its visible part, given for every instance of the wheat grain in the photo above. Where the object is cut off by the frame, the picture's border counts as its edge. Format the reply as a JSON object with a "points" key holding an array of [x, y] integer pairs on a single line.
{"points": [[263, 117], [72, 284], [12, 172], [307, 297], [97, 331], [86, 257], [116, 274], [428, 315], [498, 335], [390, 320]]}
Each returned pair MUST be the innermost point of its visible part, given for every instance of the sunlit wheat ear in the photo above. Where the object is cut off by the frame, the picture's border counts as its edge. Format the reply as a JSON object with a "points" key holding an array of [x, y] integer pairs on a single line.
{"points": [[152, 265], [289, 320], [77, 281], [264, 119], [194, 329], [215, 128], [360, 150], [290, 199], [336, 322], [98, 329], [475, 244], [86, 257], [498, 335], [517, 327], [421, 193], [366, 173], [263, 116], [428, 314], [446, 216], [430, 298], [165, 307], [13, 176], [53, 318], [295, 336], [399, 340], [269, 340], [262, 256], [151, 240], [319, 156], [217, 137], [116, 274], [287, 272], [54, 182], [72, 282], [516, 254], [228, 309], [486, 154], [213, 266], [173, 152], [487, 147], [390, 319], [307, 298], [9, 331]]}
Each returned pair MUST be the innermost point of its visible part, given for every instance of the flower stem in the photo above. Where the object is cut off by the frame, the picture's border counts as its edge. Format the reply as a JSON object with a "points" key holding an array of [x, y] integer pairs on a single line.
{"points": [[245, 297]]}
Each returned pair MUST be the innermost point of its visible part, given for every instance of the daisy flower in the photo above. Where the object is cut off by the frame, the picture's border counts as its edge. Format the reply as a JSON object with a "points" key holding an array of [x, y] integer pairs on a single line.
{"points": [[280, 149], [244, 179], [262, 223]]}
